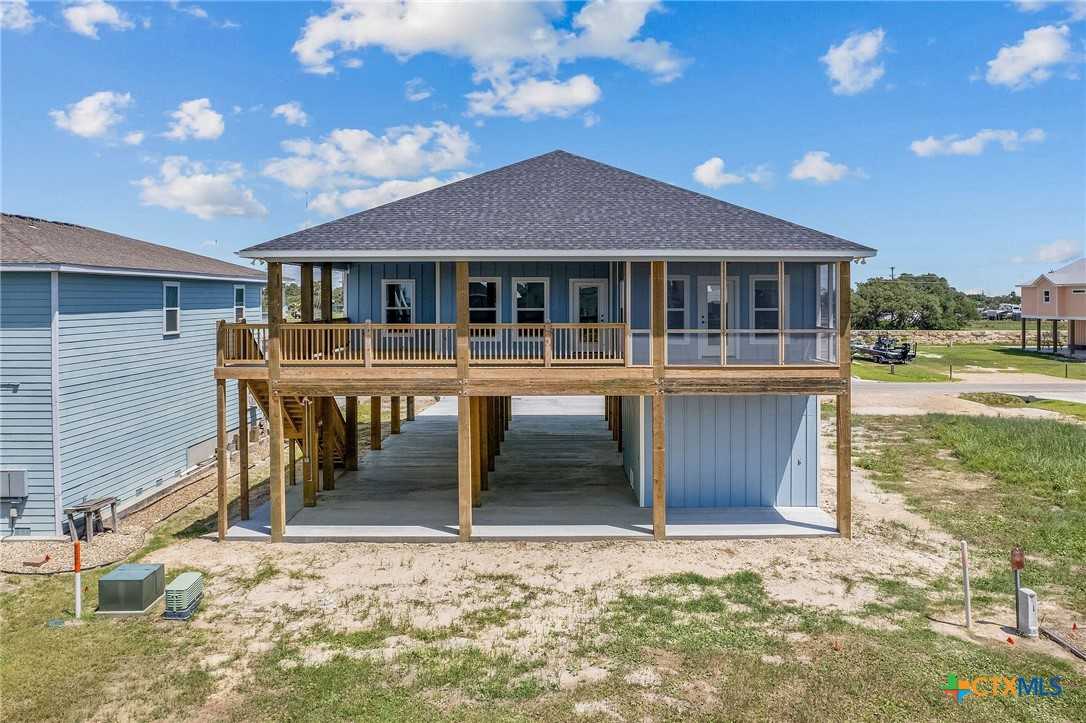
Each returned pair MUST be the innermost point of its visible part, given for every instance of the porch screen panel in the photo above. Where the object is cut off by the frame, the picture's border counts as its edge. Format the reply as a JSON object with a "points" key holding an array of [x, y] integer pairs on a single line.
{"points": [[754, 312], [811, 318]]}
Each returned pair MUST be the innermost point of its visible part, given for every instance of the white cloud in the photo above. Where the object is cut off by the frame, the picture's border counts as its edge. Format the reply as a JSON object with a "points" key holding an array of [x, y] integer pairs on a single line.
{"points": [[16, 15], [1057, 251], [198, 12], [816, 166], [532, 97], [85, 17], [954, 145], [352, 63], [852, 66], [1031, 60], [134, 138], [347, 155], [209, 244], [510, 45], [590, 119], [93, 116], [292, 113], [195, 119], [1076, 8], [416, 89], [187, 186], [1031, 6], [711, 173], [334, 203]]}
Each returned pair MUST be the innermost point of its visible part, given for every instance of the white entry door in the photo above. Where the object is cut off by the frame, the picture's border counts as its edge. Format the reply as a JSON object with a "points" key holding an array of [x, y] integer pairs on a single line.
{"points": [[709, 316], [588, 305]]}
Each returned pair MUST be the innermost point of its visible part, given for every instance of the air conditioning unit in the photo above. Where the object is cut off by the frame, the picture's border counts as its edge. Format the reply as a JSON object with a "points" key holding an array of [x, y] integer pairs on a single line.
{"points": [[183, 595]]}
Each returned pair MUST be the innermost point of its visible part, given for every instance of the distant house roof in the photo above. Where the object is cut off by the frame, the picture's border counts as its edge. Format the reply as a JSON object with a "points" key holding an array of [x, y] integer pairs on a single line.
{"points": [[27, 242], [1073, 273], [557, 204]]}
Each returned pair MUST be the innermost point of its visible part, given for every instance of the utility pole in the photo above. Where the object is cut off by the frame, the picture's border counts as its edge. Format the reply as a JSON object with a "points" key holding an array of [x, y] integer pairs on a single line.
{"points": [[891, 273]]}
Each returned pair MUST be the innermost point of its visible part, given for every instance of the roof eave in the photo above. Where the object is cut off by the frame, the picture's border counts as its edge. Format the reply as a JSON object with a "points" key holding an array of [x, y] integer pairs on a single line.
{"points": [[116, 271], [309, 255]]}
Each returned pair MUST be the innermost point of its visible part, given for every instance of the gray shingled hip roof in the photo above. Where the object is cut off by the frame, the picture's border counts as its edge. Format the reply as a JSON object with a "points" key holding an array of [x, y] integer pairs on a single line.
{"points": [[36, 243], [557, 204]]}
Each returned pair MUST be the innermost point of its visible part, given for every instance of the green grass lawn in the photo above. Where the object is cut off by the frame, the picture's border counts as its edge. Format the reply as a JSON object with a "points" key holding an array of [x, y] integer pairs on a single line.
{"points": [[1014, 401], [933, 364], [1033, 491]]}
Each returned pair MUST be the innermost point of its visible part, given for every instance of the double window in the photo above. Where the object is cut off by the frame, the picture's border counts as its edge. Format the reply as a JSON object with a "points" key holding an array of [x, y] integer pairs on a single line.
{"points": [[171, 308], [399, 301]]}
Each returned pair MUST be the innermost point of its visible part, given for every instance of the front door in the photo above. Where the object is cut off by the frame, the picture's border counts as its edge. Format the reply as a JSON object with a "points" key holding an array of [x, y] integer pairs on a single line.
{"points": [[588, 304]]}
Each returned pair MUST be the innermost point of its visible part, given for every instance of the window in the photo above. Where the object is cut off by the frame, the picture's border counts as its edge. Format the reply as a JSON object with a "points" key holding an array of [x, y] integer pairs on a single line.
{"points": [[765, 307], [530, 298], [399, 301], [1046, 296], [171, 307], [484, 296], [239, 303], [676, 302], [1078, 291]]}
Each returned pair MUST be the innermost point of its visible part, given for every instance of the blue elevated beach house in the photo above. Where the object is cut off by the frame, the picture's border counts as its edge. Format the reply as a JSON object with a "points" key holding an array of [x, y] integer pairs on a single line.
{"points": [[106, 348], [708, 330]]}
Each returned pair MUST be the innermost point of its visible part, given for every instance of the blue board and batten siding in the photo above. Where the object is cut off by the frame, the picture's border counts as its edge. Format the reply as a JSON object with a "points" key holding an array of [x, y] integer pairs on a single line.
{"points": [[728, 451], [26, 398], [132, 399]]}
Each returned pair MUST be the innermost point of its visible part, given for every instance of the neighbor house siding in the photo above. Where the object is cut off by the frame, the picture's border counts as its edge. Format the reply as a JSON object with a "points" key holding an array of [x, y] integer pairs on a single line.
{"points": [[26, 399], [738, 451], [133, 400]]}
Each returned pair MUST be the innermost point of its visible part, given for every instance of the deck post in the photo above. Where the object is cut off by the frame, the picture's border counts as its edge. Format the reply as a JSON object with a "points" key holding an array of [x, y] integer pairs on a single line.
{"points": [[844, 403], [1038, 334], [221, 458], [463, 345], [395, 399], [496, 425], [1023, 333], [488, 437], [463, 465], [477, 464], [659, 318], [659, 483], [410, 409], [1055, 336], [503, 420], [618, 421], [243, 449], [309, 455], [307, 293], [328, 437], [292, 475], [326, 292], [375, 422], [276, 482], [350, 459]]}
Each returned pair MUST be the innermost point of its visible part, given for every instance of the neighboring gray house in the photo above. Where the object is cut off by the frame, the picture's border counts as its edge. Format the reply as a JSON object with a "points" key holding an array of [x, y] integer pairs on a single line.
{"points": [[107, 349]]}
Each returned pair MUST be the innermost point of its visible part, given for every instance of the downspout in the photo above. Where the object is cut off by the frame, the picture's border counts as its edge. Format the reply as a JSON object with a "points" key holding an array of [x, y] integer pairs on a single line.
{"points": [[54, 356]]}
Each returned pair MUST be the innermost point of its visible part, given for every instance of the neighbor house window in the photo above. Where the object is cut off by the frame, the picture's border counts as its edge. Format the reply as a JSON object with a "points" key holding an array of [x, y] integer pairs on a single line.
{"points": [[1046, 296], [239, 303], [171, 307], [530, 301], [399, 301], [676, 303], [1078, 291]]}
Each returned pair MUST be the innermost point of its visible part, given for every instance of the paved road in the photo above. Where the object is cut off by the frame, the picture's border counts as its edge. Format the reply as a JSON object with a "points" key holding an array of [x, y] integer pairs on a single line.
{"points": [[1067, 390]]}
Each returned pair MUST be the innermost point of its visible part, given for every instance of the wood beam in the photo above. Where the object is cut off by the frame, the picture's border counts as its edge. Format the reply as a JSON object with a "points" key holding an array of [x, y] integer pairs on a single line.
{"points": [[844, 403], [243, 450], [1023, 333], [326, 292], [410, 408], [375, 423], [307, 293], [463, 345], [495, 426], [221, 458], [659, 483], [328, 438], [276, 483], [488, 440], [659, 317], [309, 458], [350, 459], [477, 464], [463, 466], [395, 413]]}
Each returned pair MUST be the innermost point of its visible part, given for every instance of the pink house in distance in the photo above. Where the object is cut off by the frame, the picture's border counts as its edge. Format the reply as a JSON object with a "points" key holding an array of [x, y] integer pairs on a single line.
{"points": [[1057, 295]]}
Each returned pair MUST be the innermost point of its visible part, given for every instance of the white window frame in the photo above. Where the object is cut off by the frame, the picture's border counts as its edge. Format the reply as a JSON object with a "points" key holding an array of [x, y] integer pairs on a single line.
{"points": [[385, 283], [782, 314], [545, 280], [1046, 296], [686, 301], [236, 307], [166, 331], [497, 281]]}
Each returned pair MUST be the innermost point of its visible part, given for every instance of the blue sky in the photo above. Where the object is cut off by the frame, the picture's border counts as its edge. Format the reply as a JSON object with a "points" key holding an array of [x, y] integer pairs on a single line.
{"points": [[952, 137]]}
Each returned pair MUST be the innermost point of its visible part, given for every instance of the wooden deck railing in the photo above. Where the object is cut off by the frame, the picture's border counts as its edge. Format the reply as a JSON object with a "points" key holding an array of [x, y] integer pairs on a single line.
{"points": [[371, 344]]}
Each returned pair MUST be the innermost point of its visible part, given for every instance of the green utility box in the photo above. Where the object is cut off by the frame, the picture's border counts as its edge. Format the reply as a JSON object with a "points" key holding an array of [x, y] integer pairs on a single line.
{"points": [[131, 589]]}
